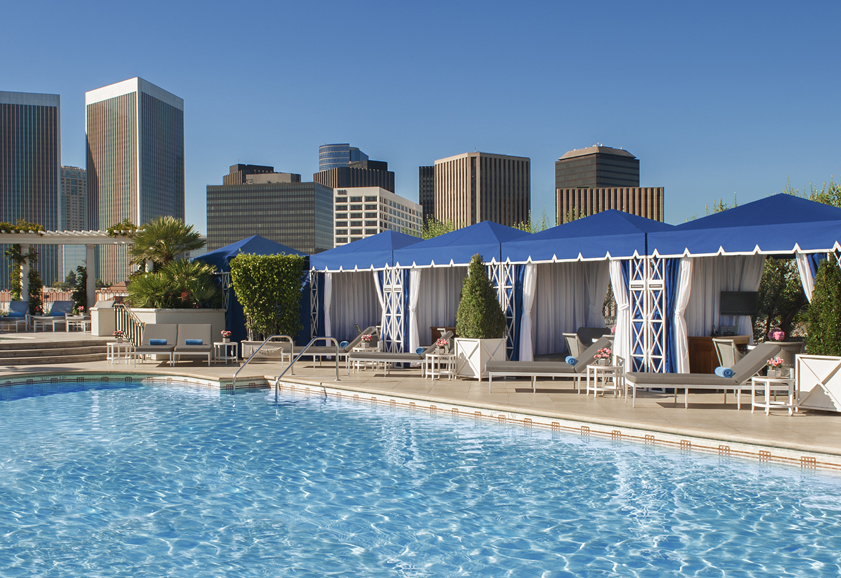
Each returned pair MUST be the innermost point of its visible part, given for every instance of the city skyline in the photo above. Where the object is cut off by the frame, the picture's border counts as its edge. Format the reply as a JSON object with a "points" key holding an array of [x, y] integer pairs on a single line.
{"points": [[713, 102]]}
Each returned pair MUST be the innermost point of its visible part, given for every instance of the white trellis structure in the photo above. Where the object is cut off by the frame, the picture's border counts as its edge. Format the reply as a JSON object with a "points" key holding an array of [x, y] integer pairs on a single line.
{"points": [[502, 277], [313, 279], [393, 334], [648, 314]]}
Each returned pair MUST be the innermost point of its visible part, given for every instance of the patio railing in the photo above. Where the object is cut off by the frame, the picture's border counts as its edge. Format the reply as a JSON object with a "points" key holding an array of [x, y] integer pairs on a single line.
{"points": [[129, 324]]}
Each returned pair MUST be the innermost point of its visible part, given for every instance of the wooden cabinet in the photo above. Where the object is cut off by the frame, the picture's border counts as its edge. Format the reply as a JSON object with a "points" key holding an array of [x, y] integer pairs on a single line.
{"points": [[702, 357]]}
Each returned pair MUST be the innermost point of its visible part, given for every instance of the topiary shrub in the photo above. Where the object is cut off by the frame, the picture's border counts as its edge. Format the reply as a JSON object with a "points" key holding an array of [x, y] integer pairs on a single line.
{"points": [[825, 312], [479, 314]]}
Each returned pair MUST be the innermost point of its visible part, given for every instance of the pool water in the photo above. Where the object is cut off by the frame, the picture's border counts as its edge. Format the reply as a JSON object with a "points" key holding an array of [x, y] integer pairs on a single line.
{"points": [[168, 480]]}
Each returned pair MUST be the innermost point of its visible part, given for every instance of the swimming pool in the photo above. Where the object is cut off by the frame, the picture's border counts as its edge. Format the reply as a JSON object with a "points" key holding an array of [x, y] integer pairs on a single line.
{"points": [[152, 480]]}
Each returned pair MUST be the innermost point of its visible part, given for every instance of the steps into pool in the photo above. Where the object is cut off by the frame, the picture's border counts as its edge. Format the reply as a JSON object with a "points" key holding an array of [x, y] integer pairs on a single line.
{"points": [[51, 352]]}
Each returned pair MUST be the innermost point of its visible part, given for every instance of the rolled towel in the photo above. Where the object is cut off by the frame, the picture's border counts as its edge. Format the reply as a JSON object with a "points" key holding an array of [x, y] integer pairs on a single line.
{"points": [[343, 344], [724, 372], [157, 342], [193, 342], [571, 360], [420, 350]]}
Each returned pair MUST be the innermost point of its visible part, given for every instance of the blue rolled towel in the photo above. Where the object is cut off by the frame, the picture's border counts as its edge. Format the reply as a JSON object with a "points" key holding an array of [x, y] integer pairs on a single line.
{"points": [[15, 314], [193, 342], [420, 350], [724, 372], [571, 360], [157, 342], [343, 344]]}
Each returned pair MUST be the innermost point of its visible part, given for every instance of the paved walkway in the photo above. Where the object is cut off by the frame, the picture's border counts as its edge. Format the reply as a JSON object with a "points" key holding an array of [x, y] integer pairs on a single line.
{"points": [[708, 424]]}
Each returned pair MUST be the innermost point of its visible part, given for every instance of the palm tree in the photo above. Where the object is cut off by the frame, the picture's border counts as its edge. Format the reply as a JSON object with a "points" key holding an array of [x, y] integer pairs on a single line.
{"points": [[162, 239]]}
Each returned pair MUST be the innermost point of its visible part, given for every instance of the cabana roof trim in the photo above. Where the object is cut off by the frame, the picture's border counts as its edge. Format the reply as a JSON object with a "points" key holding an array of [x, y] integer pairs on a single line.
{"points": [[368, 254], [485, 238]]}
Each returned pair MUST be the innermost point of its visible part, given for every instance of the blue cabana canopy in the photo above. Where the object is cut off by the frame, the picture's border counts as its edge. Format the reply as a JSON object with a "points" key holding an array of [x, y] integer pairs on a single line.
{"points": [[373, 252], [457, 247], [601, 236], [255, 245], [779, 224]]}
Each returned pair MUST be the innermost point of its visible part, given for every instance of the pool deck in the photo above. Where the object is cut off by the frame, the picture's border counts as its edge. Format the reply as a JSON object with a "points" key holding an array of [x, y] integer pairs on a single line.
{"points": [[806, 439]]}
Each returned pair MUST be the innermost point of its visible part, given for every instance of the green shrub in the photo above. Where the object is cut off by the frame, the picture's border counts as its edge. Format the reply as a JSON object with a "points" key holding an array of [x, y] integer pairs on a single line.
{"points": [[479, 314], [179, 284], [269, 287], [825, 311], [80, 291]]}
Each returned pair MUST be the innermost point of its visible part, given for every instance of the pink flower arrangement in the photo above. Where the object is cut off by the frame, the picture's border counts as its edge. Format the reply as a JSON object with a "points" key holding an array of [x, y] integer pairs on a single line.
{"points": [[118, 333], [225, 333], [81, 308], [442, 342], [367, 338], [775, 362], [613, 329], [776, 334], [603, 353]]}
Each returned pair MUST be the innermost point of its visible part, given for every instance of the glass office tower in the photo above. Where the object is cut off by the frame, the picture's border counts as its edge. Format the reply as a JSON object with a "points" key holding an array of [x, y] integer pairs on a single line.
{"points": [[135, 161], [334, 156], [30, 169]]}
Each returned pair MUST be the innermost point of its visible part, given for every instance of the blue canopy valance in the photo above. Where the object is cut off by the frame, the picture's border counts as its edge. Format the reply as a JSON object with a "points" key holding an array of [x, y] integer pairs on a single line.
{"points": [[373, 252]]}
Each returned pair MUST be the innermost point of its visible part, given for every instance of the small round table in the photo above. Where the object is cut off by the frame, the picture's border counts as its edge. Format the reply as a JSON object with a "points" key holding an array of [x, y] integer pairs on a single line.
{"points": [[772, 384], [118, 350], [225, 351], [357, 364], [439, 365], [604, 372]]}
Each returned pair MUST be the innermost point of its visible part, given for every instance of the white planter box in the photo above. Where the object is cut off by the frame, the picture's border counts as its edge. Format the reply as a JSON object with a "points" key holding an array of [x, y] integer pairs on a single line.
{"points": [[818, 381], [473, 354]]}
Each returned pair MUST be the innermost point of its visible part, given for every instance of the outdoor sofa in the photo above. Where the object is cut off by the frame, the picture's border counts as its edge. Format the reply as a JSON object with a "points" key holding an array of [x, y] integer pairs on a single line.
{"points": [[554, 369], [743, 371], [386, 357], [59, 310], [153, 335]]}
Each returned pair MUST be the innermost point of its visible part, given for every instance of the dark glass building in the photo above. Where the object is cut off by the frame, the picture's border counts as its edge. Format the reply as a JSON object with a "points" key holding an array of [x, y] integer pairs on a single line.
{"points": [[296, 214], [426, 191], [30, 171], [596, 167], [334, 156], [357, 174]]}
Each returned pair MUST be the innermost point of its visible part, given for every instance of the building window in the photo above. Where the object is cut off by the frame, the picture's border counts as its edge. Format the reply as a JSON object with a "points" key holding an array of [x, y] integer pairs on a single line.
{"points": [[356, 207], [370, 207], [356, 231], [369, 199], [341, 223], [341, 231], [355, 224], [356, 215], [356, 199], [341, 199], [370, 231], [341, 239], [352, 239], [370, 215], [370, 223]]}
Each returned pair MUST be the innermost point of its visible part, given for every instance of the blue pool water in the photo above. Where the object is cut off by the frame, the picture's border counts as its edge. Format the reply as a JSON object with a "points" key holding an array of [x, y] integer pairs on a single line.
{"points": [[146, 480]]}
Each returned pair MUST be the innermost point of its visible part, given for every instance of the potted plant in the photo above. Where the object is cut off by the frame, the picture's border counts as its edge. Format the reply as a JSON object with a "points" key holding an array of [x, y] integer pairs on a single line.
{"points": [[603, 356], [226, 336], [775, 365], [480, 323], [441, 345], [118, 335]]}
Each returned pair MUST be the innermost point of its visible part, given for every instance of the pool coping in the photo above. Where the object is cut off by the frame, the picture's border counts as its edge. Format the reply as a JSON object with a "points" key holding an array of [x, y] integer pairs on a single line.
{"points": [[725, 446]]}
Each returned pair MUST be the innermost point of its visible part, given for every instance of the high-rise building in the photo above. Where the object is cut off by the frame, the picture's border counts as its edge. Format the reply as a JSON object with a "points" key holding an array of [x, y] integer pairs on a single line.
{"points": [[599, 178], [334, 156], [74, 215], [240, 173], [135, 161], [365, 211], [357, 174], [30, 170], [475, 187], [597, 167], [426, 191], [273, 205]]}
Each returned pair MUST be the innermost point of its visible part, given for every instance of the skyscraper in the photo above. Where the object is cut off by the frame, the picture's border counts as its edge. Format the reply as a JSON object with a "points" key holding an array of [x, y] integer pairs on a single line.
{"points": [[74, 215], [30, 170], [426, 191], [475, 187], [334, 156], [135, 161], [357, 174]]}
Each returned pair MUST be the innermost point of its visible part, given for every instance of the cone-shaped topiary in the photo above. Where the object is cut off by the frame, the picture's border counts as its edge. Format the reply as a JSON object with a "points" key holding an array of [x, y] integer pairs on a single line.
{"points": [[825, 312], [479, 313]]}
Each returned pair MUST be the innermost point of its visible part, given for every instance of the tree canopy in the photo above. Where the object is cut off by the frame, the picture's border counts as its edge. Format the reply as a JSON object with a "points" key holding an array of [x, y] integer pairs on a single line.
{"points": [[162, 239]]}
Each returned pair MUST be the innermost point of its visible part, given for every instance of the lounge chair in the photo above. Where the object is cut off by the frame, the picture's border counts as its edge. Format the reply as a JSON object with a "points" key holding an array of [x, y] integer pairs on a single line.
{"points": [[59, 310], [574, 346], [157, 332], [726, 351], [387, 358], [744, 369], [193, 341], [329, 349], [18, 315], [554, 369]]}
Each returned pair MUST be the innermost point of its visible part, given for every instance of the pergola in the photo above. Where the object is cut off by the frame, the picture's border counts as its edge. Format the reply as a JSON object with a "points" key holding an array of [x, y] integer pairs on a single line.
{"points": [[89, 239]]}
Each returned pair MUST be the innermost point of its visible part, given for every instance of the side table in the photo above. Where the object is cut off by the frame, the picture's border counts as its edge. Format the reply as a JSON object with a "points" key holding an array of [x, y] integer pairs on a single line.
{"points": [[78, 321], [439, 365], [770, 384], [225, 351], [118, 350], [614, 373], [363, 364]]}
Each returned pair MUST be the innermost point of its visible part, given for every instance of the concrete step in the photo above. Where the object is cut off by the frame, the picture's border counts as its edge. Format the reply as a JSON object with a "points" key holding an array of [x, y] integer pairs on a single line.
{"points": [[7, 344], [54, 360], [53, 353]]}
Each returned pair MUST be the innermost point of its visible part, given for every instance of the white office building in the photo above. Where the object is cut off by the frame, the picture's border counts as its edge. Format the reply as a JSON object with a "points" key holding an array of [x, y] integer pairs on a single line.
{"points": [[360, 212]]}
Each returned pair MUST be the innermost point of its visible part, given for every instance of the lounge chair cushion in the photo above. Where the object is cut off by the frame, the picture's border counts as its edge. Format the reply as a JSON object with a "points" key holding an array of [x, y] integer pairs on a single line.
{"points": [[529, 367], [15, 314]]}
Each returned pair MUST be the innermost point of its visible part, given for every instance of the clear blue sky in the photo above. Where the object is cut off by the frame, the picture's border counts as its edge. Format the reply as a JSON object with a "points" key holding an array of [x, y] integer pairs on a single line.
{"points": [[714, 98]]}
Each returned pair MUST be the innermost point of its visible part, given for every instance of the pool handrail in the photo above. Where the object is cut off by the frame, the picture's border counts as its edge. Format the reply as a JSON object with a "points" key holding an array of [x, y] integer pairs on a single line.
{"points": [[303, 352], [253, 353]]}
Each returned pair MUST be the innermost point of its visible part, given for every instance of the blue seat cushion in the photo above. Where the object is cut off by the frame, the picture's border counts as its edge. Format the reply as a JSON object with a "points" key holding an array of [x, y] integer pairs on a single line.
{"points": [[193, 342], [157, 342], [15, 314]]}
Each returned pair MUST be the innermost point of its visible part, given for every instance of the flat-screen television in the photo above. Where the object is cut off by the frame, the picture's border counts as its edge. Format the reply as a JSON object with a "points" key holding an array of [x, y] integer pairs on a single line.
{"points": [[738, 303]]}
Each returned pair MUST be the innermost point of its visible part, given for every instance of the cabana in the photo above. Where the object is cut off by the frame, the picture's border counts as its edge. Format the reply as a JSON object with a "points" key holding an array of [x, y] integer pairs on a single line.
{"points": [[433, 273], [565, 272], [349, 280], [726, 252], [221, 258]]}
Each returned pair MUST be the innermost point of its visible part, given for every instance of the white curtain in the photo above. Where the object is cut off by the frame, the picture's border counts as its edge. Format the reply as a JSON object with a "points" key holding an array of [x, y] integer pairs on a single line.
{"points": [[526, 331], [596, 276], [806, 278], [684, 288], [622, 336], [561, 304], [414, 291], [711, 276], [328, 302], [354, 300], [438, 299]]}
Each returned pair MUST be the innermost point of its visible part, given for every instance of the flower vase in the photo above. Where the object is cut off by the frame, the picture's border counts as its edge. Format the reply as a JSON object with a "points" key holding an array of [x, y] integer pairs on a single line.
{"points": [[119, 339], [226, 340]]}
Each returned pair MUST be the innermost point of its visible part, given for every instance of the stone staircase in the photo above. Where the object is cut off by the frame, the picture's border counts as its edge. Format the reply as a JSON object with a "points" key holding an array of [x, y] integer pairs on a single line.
{"points": [[37, 352]]}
